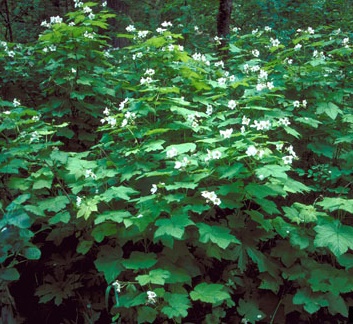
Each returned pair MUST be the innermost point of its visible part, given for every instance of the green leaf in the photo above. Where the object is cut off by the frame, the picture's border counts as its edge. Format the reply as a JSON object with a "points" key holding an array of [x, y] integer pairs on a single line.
{"points": [[120, 192], [54, 204], [146, 314], [63, 217], [216, 234], [250, 311], [103, 230], [174, 226], [312, 302], [329, 108], [209, 293], [334, 235], [140, 260], [333, 204], [109, 262], [157, 277], [87, 207], [178, 305], [32, 253], [84, 246], [9, 274], [274, 170], [182, 148]]}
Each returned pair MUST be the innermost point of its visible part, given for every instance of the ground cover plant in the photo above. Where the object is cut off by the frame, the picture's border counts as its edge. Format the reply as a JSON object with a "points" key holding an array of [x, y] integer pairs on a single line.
{"points": [[160, 183]]}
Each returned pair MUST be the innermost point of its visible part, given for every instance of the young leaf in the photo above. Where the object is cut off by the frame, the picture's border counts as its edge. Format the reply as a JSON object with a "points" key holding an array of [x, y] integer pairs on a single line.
{"points": [[216, 234]]}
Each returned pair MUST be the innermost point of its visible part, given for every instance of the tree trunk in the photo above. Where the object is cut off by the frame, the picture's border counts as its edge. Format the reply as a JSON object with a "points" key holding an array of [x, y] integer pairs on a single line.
{"points": [[119, 7], [223, 24]]}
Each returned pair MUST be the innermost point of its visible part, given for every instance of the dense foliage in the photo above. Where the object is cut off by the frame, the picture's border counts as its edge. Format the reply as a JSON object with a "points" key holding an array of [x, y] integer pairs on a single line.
{"points": [[157, 182]]}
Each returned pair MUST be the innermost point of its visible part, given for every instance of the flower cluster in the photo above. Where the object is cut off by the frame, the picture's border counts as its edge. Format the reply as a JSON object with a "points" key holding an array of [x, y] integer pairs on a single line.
{"points": [[201, 57], [53, 20], [253, 151], [151, 297], [129, 117], [179, 165], [88, 11], [213, 155], [261, 125], [90, 174], [298, 104], [211, 196], [194, 120], [226, 133], [288, 159], [108, 119]]}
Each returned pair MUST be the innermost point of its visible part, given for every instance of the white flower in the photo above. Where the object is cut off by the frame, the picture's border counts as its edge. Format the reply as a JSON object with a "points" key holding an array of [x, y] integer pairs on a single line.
{"points": [[260, 86], [291, 151], [160, 30], [52, 48], [91, 16], [117, 286], [275, 42], [287, 159], [172, 152], [124, 122], [211, 196], [104, 4], [345, 41], [178, 165], [267, 28], [45, 24], [11, 53], [73, 70], [279, 146], [310, 30], [222, 81], [56, 20], [226, 133], [87, 10], [35, 118], [297, 47], [154, 189], [151, 297], [166, 24], [251, 150], [255, 52], [232, 78], [304, 103], [142, 33], [150, 72], [261, 125], [139, 216], [16, 103], [296, 103], [232, 104], [263, 75], [284, 121], [270, 85], [89, 174], [245, 120], [78, 201], [216, 155], [209, 110], [130, 28], [122, 104], [242, 129], [220, 63]]}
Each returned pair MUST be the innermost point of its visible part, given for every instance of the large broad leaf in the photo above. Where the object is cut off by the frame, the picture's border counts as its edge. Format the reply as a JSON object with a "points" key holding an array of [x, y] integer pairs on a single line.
{"points": [[174, 226], [178, 305], [250, 310], [312, 302], [109, 262], [336, 236], [216, 234], [209, 293], [157, 277], [332, 204], [140, 260]]}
